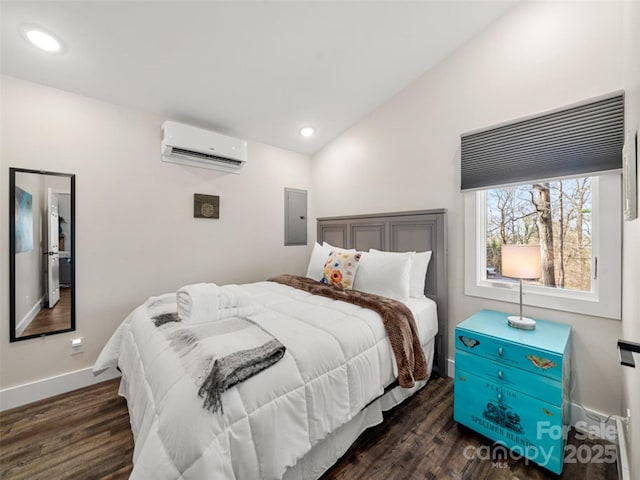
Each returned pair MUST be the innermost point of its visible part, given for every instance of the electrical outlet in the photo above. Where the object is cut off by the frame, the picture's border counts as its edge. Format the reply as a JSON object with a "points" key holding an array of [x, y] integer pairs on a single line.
{"points": [[76, 345], [26, 301]]}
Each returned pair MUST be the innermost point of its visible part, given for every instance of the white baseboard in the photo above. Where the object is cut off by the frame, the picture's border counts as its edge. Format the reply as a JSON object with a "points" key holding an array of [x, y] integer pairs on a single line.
{"points": [[48, 387], [28, 318], [592, 422], [582, 419], [624, 472]]}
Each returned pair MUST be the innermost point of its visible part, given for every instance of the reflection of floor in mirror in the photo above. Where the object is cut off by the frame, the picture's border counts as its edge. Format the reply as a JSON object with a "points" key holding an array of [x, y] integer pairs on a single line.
{"points": [[52, 319]]}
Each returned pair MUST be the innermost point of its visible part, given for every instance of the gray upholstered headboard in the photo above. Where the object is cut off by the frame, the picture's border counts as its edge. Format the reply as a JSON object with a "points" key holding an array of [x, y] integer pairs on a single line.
{"points": [[401, 232]]}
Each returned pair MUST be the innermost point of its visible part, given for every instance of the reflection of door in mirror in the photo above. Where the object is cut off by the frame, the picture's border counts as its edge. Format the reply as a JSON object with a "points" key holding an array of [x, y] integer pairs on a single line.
{"points": [[42, 260], [53, 270]]}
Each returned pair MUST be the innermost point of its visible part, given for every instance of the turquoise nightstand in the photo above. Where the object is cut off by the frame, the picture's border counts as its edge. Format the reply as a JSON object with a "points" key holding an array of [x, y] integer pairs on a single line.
{"points": [[512, 385]]}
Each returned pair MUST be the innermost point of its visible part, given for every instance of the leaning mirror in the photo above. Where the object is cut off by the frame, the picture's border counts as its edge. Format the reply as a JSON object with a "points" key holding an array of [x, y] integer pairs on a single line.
{"points": [[42, 261]]}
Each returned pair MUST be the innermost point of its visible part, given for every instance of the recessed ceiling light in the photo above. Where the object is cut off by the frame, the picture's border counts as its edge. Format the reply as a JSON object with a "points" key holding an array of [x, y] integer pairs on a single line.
{"points": [[307, 131], [41, 39]]}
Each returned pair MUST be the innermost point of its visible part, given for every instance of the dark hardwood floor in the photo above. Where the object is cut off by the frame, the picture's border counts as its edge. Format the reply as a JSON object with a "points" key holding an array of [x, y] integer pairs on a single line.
{"points": [[83, 434], [52, 319], [86, 435], [419, 440]]}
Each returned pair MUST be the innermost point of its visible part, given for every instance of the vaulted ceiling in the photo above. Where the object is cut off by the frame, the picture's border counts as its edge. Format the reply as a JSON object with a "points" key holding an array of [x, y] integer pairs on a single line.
{"points": [[258, 70]]}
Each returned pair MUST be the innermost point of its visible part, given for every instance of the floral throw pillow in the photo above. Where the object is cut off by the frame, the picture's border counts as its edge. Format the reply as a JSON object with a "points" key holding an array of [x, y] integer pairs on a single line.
{"points": [[340, 268]]}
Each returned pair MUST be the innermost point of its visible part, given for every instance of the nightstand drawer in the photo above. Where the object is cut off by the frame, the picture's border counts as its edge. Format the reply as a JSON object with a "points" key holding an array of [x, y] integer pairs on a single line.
{"points": [[511, 354], [531, 427], [538, 386]]}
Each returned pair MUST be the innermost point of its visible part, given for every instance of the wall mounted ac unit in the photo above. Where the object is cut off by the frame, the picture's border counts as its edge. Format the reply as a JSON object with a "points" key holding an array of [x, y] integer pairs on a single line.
{"points": [[187, 145]]}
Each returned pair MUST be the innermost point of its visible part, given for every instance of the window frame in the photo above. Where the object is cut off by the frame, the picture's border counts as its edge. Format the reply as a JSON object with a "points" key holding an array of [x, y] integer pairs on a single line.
{"points": [[605, 297]]}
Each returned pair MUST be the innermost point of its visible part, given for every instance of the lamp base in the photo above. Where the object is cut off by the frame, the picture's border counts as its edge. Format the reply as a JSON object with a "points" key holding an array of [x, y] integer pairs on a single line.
{"points": [[522, 323]]}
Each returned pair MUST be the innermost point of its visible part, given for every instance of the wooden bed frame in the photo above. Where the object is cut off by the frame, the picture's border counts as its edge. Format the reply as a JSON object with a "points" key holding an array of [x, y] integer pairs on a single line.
{"points": [[401, 232]]}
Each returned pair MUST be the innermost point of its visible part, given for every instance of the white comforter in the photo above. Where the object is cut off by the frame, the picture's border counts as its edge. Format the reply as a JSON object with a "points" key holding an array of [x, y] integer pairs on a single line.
{"points": [[338, 359]]}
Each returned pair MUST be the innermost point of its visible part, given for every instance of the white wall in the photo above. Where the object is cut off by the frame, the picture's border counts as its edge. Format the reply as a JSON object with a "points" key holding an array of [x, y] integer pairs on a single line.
{"points": [[135, 231], [631, 239], [405, 155]]}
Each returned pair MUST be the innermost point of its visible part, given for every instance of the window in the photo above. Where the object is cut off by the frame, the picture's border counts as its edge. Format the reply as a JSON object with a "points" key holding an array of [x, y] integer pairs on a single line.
{"points": [[579, 222], [555, 215], [551, 178]]}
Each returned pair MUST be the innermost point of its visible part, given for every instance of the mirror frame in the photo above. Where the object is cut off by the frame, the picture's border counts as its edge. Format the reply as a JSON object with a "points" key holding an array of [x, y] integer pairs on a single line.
{"points": [[12, 249]]}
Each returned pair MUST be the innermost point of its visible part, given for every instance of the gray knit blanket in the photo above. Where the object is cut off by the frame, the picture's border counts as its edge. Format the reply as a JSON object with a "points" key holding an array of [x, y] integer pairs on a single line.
{"points": [[220, 354]]}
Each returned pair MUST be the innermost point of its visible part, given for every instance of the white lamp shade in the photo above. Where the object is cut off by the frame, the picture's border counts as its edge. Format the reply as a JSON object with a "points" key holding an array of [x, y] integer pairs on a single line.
{"points": [[521, 261]]}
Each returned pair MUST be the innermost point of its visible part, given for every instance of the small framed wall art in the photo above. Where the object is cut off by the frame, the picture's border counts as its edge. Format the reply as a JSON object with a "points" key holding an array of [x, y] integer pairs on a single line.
{"points": [[206, 206]]}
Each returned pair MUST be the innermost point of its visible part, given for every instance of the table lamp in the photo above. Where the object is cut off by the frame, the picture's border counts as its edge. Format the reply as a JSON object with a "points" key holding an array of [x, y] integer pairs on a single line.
{"points": [[521, 262]]}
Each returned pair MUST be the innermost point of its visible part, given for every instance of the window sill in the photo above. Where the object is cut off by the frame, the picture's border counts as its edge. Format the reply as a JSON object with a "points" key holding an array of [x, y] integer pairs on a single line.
{"points": [[585, 303]]}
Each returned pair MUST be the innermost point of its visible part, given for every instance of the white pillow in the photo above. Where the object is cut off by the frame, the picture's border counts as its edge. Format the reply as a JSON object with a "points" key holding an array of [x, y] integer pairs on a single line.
{"points": [[385, 273], [339, 249], [419, 273], [319, 256]]}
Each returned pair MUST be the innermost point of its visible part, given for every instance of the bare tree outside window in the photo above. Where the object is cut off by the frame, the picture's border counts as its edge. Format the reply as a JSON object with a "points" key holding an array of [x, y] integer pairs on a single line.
{"points": [[556, 215]]}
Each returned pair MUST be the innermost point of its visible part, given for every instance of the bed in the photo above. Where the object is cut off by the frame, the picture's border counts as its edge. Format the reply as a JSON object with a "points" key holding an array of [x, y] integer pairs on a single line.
{"points": [[296, 418]]}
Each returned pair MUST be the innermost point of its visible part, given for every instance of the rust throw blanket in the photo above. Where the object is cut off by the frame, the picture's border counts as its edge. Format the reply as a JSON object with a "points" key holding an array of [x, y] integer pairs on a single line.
{"points": [[398, 323]]}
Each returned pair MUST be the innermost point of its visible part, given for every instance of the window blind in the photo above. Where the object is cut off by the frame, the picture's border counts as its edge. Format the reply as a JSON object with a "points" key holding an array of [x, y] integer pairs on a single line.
{"points": [[582, 139]]}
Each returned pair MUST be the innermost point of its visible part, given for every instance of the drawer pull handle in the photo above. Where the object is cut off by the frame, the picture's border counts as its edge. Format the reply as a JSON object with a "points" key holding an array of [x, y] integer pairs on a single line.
{"points": [[500, 351], [500, 374]]}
